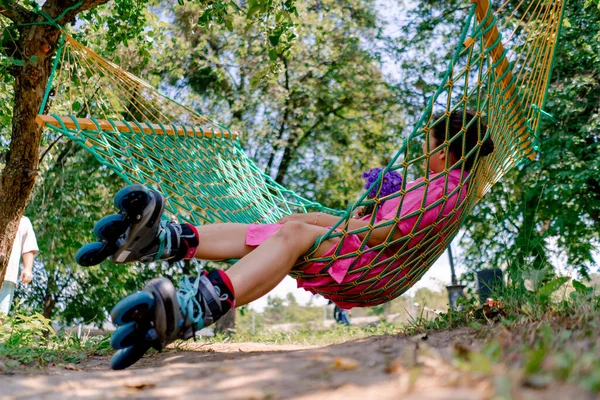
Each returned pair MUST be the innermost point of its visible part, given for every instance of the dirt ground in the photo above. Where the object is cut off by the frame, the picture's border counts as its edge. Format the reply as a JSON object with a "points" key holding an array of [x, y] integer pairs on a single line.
{"points": [[382, 367]]}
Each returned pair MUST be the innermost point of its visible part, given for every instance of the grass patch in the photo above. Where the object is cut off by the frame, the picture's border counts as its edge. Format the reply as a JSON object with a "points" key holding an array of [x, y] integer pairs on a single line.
{"points": [[538, 338], [28, 341], [310, 336], [545, 337]]}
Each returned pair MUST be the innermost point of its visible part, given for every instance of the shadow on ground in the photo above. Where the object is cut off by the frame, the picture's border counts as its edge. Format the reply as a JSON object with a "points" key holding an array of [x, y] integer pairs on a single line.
{"points": [[383, 367]]}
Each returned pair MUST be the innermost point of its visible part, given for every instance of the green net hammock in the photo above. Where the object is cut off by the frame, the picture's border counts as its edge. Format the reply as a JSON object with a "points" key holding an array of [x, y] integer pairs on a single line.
{"points": [[500, 70]]}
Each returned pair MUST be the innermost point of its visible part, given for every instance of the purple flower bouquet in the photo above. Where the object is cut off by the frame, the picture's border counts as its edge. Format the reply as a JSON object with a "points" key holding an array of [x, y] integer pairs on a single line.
{"points": [[392, 182]]}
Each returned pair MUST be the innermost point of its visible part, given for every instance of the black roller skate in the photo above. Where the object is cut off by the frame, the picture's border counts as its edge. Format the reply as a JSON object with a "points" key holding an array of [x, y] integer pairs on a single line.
{"points": [[137, 233], [161, 314]]}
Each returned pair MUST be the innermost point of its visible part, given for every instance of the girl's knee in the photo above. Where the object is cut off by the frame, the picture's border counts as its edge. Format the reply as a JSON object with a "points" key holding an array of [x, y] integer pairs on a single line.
{"points": [[291, 229], [296, 232]]}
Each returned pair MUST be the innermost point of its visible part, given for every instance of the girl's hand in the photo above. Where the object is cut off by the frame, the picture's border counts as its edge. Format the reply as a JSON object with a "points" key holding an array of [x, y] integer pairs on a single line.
{"points": [[310, 218], [283, 220], [358, 212], [295, 217]]}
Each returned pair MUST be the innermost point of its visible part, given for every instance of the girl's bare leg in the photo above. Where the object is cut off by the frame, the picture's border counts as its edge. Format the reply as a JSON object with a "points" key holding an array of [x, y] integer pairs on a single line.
{"points": [[222, 241], [261, 270]]}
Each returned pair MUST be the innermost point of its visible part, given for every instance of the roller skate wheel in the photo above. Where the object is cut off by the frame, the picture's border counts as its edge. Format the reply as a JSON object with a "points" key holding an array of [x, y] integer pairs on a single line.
{"points": [[93, 253], [132, 199], [110, 228], [134, 307], [128, 335], [127, 357]]}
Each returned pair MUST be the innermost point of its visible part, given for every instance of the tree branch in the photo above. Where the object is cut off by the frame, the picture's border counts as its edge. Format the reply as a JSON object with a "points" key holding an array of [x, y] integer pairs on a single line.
{"points": [[56, 8], [15, 12], [88, 4], [49, 148]]}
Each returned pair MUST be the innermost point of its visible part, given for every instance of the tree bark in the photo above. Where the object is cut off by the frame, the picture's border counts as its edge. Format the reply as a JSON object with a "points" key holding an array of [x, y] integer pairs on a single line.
{"points": [[49, 298], [21, 170], [284, 164], [289, 103], [37, 44]]}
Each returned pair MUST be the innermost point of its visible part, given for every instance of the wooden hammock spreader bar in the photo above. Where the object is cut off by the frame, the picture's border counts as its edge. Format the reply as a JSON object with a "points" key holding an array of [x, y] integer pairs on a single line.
{"points": [[497, 54], [88, 124]]}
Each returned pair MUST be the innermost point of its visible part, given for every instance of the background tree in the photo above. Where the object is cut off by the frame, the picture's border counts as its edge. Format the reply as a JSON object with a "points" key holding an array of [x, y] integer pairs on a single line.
{"points": [[30, 34], [326, 116], [542, 214], [29, 40], [545, 213]]}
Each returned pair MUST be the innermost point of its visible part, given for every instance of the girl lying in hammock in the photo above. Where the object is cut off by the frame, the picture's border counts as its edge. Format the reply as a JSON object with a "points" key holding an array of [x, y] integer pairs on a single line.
{"points": [[267, 253]]}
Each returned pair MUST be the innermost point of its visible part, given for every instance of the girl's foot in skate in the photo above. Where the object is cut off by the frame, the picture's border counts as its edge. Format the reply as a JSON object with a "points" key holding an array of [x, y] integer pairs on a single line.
{"points": [[160, 314], [138, 233]]}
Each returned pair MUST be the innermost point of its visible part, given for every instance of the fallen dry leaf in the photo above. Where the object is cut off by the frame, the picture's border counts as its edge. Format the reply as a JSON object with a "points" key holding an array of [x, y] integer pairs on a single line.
{"points": [[462, 351], [345, 364], [395, 367], [140, 386], [71, 367]]}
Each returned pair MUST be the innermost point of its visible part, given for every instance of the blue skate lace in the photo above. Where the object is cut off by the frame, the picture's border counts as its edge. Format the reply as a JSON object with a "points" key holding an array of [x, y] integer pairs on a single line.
{"points": [[188, 302], [164, 237], [187, 295]]}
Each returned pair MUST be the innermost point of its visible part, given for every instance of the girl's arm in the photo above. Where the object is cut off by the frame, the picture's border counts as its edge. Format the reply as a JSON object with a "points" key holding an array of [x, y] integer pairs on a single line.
{"points": [[378, 235]]}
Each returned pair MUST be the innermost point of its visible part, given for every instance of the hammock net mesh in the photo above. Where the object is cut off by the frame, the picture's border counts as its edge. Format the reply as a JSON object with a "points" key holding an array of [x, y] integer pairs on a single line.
{"points": [[500, 71]]}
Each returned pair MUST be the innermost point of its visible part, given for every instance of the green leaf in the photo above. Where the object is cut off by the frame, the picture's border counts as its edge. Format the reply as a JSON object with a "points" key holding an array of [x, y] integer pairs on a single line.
{"points": [[253, 10], [533, 360], [273, 54], [574, 296], [284, 14], [229, 24], [255, 80], [274, 39], [580, 287], [546, 291]]}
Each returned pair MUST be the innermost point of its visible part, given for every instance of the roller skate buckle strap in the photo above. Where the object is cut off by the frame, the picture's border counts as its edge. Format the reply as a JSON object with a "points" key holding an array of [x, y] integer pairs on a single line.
{"points": [[211, 299], [138, 244], [123, 256]]}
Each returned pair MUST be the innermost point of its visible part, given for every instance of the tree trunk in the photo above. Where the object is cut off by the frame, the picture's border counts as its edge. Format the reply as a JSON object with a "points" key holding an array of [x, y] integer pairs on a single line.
{"points": [[49, 304], [50, 295], [21, 170], [226, 324], [37, 44], [284, 165]]}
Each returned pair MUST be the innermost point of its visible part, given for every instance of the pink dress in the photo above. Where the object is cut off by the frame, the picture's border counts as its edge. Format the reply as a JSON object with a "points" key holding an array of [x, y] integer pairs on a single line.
{"points": [[377, 275]]}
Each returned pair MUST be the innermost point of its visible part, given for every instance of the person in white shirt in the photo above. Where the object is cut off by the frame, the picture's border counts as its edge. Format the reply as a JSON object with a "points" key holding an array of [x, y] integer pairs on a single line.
{"points": [[25, 245]]}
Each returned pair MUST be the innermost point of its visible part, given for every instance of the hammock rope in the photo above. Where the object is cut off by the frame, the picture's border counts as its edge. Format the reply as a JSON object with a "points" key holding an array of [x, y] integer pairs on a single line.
{"points": [[201, 168]]}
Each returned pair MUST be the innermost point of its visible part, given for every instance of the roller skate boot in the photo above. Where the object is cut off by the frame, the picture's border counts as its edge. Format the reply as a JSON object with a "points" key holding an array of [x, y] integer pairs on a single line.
{"points": [[137, 233], [160, 314]]}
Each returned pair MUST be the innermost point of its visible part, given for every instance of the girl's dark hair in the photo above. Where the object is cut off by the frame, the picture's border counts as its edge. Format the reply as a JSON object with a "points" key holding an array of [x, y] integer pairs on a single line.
{"points": [[471, 137]]}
